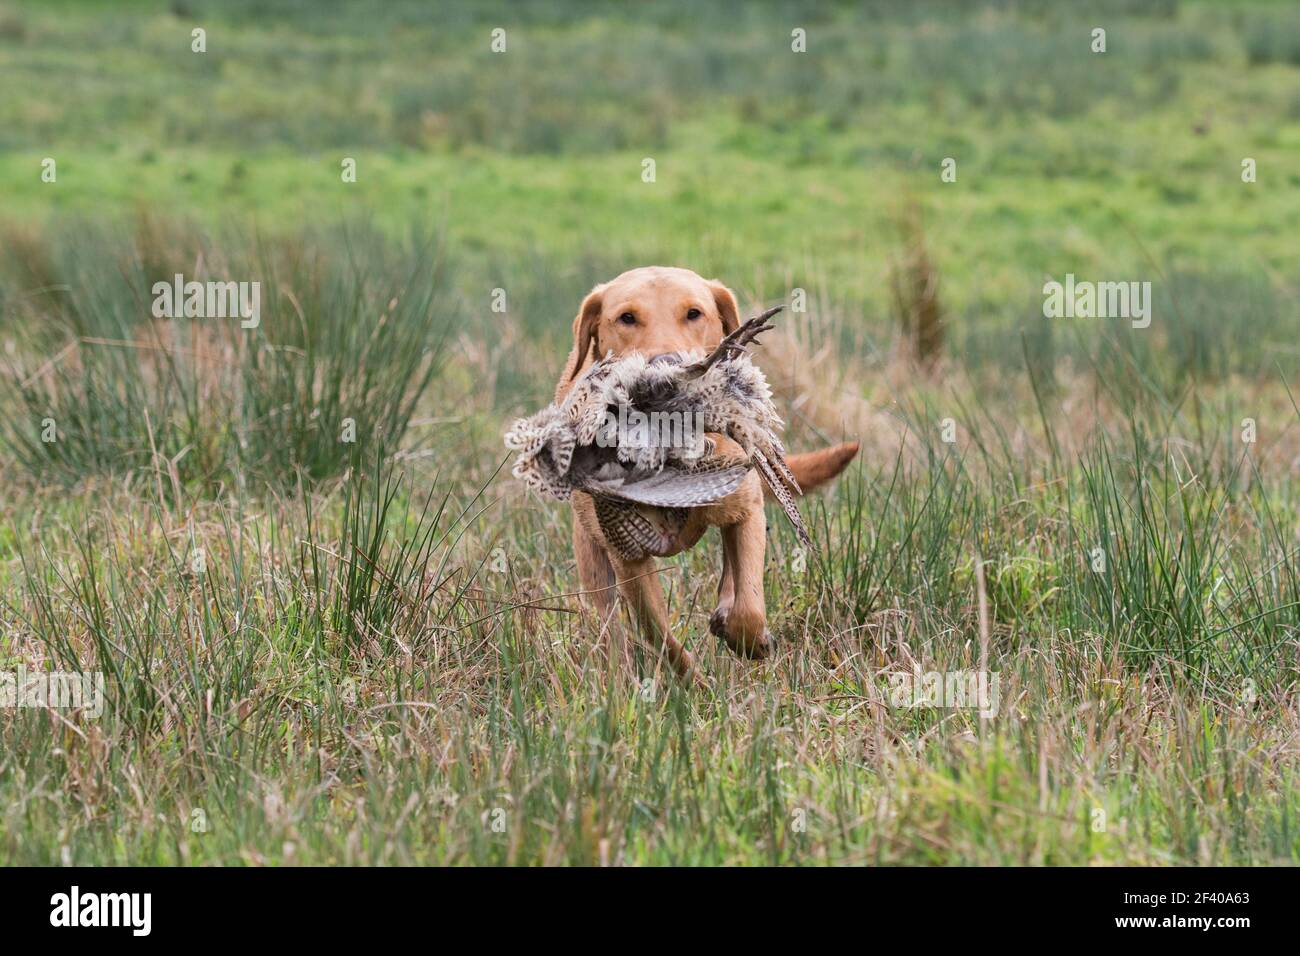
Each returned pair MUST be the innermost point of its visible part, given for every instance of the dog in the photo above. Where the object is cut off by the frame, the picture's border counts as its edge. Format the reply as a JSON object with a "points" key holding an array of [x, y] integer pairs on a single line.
{"points": [[663, 313]]}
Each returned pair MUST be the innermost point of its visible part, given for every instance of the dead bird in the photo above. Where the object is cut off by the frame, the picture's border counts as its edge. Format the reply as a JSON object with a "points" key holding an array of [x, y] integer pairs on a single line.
{"points": [[632, 431]]}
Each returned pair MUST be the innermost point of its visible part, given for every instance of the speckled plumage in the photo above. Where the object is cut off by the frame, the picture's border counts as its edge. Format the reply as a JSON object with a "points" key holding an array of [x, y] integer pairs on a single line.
{"points": [[639, 487]]}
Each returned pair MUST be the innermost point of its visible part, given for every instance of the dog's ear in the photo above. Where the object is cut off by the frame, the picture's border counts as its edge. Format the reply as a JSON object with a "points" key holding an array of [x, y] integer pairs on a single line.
{"points": [[585, 331], [725, 300]]}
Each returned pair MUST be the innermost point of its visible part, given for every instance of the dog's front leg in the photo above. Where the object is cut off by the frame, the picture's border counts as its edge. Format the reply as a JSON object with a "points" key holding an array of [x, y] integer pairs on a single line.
{"points": [[595, 573], [638, 581], [726, 593], [596, 576], [741, 616]]}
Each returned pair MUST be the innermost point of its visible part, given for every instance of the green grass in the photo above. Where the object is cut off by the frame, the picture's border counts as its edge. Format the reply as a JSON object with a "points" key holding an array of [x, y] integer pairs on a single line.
{"points": [[345, 342], [320, 651], [351, 680]]}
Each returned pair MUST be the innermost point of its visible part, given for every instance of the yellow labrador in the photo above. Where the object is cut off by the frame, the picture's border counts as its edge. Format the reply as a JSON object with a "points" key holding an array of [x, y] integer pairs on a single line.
{"points": [[658, 311]]}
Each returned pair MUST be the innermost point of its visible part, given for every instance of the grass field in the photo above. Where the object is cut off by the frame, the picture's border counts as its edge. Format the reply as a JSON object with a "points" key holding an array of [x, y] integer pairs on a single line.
{"points": [[318, 650]]}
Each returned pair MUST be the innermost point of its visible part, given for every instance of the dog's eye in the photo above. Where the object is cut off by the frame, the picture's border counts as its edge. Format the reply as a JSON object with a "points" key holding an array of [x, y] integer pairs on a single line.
{"points": [[627, 318], [693, 313]]}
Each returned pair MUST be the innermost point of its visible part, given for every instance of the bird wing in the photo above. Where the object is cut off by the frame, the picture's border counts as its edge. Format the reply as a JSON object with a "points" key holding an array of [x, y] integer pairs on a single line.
{"points": [[675, 487]]}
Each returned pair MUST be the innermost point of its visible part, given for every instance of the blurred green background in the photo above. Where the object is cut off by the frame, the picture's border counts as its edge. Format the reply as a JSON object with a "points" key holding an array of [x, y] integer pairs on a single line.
{"points": [[774, 169]]}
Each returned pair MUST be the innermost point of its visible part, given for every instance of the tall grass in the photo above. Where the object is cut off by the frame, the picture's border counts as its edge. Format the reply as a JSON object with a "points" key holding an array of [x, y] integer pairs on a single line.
{"points": [[391, 666], [349, 338]]}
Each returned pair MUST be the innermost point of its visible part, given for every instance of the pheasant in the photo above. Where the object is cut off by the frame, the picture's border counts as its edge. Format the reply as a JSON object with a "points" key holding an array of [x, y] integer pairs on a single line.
{"points": [[631, 433]]}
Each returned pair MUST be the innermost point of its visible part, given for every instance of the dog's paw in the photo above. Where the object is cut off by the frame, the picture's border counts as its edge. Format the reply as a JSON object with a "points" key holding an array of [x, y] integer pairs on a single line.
{"points": [[754, 643]]}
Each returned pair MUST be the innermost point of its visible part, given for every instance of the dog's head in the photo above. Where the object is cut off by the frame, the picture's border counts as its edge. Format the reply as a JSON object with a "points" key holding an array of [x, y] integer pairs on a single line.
{"points": [[653, 311]]}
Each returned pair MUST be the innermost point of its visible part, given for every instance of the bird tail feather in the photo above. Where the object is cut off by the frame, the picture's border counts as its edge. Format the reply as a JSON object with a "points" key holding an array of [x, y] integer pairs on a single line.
{"points": [[815, 468]]}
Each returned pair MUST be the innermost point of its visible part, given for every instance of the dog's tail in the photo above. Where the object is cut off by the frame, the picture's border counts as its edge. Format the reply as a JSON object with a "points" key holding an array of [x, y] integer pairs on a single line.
{"points": [[814, 468]]}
